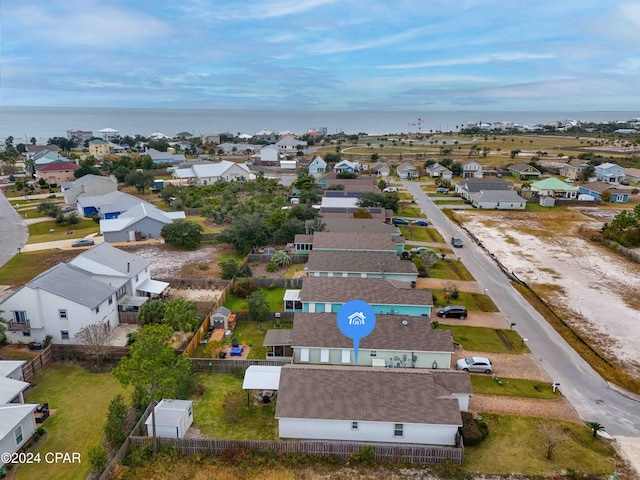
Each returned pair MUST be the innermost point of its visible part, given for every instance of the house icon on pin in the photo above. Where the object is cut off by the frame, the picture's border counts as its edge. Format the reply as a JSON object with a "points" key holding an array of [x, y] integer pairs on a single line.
{"points": [[356, 318]]}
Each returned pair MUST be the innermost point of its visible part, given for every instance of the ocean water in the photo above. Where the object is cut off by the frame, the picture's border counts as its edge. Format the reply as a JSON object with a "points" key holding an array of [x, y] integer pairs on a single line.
{"points": [[45, 122]]}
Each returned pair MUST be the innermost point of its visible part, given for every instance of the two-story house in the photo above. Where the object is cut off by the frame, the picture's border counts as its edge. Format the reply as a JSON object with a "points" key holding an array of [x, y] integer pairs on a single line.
{"points": [[609, 172]]}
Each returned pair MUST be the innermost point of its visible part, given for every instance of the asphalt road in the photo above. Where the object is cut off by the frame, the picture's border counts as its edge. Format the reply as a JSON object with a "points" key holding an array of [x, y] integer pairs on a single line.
{"points": [[13, 231], [592, 397]]}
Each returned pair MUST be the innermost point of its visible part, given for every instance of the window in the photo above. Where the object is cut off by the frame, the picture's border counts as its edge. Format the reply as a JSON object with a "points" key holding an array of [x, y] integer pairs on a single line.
{"points": [[64, 334], [136, 278], [26, 333], [110, 299], [324, 355], [98, 309], [19, 316], [304, 354], [397, 430], [373, 353], [346, 355], [354, 425], [62, 313], [18, 433]]}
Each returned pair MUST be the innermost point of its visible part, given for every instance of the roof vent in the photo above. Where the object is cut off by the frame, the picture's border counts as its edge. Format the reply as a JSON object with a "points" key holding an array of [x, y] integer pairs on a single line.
{"points": [[405, 323]]}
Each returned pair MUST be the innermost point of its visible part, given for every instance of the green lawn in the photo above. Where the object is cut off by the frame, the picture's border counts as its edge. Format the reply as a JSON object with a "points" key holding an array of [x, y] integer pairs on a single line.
{"points": [[23, 267], [421, 234], [450, 270], [274, 297], [514, 446], [296, 267], [482, 339], [409, 212], [39, 232], [238, 420], [513, 387], [80, 400], [449, 202], [471, 300]]}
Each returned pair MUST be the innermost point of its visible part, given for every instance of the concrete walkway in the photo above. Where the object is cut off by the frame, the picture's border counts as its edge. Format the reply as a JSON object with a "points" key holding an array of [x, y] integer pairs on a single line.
{"points": [[61, 244]]}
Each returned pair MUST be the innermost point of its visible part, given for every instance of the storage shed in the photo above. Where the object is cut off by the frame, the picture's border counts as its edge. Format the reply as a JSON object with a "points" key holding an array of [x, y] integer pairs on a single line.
{"points": [[173, 418]]}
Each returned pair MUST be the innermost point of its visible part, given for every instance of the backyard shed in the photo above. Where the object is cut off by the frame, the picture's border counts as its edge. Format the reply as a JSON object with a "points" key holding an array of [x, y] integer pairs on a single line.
{"points": [[173, 418]]}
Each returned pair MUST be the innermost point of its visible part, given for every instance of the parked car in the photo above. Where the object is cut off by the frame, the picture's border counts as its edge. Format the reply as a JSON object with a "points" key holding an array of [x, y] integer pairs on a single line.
{"points": [[67, 209], [569, 180], [456, 242], [418, 249], [442, 190], [420, 223], [452, 311], [625, 183], [390, 190], [475, 364], [400, 221], [83, 242]]}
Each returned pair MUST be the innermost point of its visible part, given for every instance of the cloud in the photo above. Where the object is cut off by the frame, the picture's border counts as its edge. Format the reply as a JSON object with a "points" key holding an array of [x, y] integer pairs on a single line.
{"points": [[494, 57], [252, 10]]}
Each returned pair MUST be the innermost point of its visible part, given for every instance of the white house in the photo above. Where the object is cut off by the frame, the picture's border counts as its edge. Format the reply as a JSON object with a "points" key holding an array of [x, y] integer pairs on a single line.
{"points": [[436, 170], [88, 185], [407, 170], [173, 418], [269, 155], [289, 144], [143, 220], [471, 169], [498, 200], [207, 173], [12, 391], [12, 369], [365, 404], [317, 167], [17, 426], [346, 166]]}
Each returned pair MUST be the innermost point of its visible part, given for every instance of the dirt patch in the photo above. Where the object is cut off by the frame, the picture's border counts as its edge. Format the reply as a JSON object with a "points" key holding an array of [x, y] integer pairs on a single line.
{"points": [[169, 262], [195, 295], [589, 285], [533, 407], [439, 283], [507, 365]]}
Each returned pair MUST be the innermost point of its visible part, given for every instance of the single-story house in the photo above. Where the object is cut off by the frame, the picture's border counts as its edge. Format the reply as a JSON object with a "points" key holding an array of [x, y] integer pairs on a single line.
{"points": [[349, 242], [173, 418], [469, 186], [407, 170], [165, 157], [31, 150], [269, 155], [354, 264], [12, 391], [339, 203], [355, 225], [278, 343], [17, 426], [553, 187], [435, 170], [108, 205], [317, 167], [472, 170], [380, 169], [524, 171], [596, 189], [56, 172], [220, 318], [289, 144], [346, 166], [396, 341], [609, 172], [139, 222], [387, 297], [229, 148], [12, 369], [498, 200], [45, 157], [206, 173], [632, 174], [414, 406], [90, 185]]}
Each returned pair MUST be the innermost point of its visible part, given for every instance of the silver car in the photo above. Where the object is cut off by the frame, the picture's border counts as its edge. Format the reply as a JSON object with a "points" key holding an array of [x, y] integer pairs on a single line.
{"points": [[475, 364]]}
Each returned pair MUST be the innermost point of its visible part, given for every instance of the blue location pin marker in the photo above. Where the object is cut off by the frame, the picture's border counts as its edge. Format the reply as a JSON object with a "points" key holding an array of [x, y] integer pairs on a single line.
{"points": [[356, 320]]}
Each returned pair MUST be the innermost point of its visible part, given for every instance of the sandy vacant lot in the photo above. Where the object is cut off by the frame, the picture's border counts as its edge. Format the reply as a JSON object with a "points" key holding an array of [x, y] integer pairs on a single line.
{"points": [[595, 289]]}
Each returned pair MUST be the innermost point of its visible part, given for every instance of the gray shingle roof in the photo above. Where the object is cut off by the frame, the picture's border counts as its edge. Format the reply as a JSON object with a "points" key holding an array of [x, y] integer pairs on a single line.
{"points": [[112, 258], [376, 291], [277, 337], [360, 225], [487, 183], [358, 262], [498, 196], [366, 394], [354, 241], [321, 330]]}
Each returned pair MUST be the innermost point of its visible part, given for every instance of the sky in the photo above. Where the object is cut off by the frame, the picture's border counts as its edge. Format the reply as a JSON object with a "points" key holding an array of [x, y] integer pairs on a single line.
{"points": [[315, 55]]}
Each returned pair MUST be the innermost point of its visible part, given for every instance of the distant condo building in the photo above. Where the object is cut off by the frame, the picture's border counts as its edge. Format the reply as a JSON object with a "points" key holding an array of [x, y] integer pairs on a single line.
{"points": [[80, 136]]}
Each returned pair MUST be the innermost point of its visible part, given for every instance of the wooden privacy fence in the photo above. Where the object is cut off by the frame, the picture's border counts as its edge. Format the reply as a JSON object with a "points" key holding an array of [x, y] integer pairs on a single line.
{"points": [[214, 365], [29, 369], [198, 283], [275, 282], [266, 258], [79, 350], [384, 452], [285, 317]]}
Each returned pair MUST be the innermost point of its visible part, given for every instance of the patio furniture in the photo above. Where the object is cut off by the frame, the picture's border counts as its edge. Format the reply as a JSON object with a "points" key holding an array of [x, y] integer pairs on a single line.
{"points": [[236, 352], [234, 342]]}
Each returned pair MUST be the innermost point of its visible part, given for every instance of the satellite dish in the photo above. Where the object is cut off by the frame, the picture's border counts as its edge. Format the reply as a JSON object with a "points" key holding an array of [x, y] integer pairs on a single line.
{"points": [[405, 323]]}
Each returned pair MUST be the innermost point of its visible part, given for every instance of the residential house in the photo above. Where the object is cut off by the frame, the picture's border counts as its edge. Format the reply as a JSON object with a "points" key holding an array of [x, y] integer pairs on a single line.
{"points": [[79, 136], [56, 172], [609, 172], [472, 170], [289, 145], [351, 242], [355, 225], [109, 205], [360, 265], [524, 171], [173, 418], [349, 188], [89, 289], [466, 188], [407, 170], [595, 189], [380, 169], [32, 150], [207, 173], [435, 170], [12, 391], [208, 138], [229, 148], [317, 167], [17, 426], [632, 174], [45, 157], [498, 200], [396, 341], [571, 171], [553, 187], [346, 166], [108, 133], [12, 369], [165, 157], [322, 294], [140, 222], [377, 213], [269, 155], [278, 343], [90, 185], [266, 135], [415, 406], [341, 203], [99, 148]]}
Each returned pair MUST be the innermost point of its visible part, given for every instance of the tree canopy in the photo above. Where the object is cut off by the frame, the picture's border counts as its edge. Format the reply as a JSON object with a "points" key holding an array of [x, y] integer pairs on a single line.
{"points": [[182, 233]]}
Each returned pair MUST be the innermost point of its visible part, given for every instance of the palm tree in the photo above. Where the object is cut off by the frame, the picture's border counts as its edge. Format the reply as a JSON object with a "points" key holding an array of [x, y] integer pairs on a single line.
{"points": [[3, 328], [595, 428]]}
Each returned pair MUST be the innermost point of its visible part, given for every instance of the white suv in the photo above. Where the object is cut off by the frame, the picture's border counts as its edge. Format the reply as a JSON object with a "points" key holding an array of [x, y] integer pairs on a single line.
{"points": [[475, 364]]}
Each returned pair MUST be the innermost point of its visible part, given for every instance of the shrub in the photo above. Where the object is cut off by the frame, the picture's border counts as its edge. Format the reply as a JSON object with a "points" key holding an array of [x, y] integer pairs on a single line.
{"points": [[98, 458], [435, 324], [271, 267], [244, 271], [41, 431], [200, 389], [472, 433], [243, 288]]}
